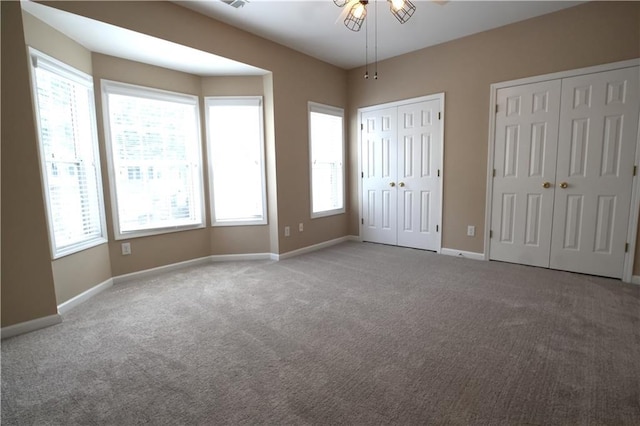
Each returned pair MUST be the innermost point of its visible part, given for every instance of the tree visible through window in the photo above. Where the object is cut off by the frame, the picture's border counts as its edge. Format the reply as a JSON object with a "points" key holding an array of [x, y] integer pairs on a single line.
{"points": [[155, 159], [326, 146], [69, 155]]}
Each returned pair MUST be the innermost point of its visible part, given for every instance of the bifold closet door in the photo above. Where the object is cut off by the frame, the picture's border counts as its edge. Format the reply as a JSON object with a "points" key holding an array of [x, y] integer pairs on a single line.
{"points": [[401, 155], [379, 171], [526, 133], [564, 155], [418, 175], [596, 157]]}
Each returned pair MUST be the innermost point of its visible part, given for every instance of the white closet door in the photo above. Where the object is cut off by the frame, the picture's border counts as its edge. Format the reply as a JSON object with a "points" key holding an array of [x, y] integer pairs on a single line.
{"points": [[524, 161], [418, 177], [596, 154], [379, 169]]}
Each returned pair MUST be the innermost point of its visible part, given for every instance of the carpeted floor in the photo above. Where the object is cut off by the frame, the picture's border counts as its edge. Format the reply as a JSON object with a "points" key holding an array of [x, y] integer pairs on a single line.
{"points": [[354, 334]]}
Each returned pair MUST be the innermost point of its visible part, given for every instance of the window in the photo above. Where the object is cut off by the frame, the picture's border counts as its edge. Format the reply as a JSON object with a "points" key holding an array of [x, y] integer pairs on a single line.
{"points": [[68, 147], [326, 149], [155, 162], [236, 160]]}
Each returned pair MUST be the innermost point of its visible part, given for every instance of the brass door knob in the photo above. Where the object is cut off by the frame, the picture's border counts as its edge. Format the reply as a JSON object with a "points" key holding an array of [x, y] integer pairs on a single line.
{"points": [[392, 184], [564, 185], [401, 184], [546, 185]]}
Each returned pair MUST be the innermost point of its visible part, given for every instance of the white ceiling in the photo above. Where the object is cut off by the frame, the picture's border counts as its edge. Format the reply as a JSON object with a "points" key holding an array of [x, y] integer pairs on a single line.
{"points": [[115, 41], [316, 28], [310, 26]]}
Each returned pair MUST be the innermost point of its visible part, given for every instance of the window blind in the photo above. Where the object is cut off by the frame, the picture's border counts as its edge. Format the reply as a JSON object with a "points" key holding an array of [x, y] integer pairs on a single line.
{"points": [[236, 158], [69, 155], [155, 158], [326, 140]]}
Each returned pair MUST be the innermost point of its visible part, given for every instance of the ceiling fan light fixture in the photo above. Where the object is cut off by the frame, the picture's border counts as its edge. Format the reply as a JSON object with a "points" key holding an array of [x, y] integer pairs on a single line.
{"points": [[402, 9], [397, 4], [356, 15], [340, 3]]}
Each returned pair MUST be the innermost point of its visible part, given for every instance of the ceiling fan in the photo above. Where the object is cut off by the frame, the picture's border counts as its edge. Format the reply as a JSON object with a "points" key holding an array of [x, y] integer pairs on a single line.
{"points": [[356, 11]]}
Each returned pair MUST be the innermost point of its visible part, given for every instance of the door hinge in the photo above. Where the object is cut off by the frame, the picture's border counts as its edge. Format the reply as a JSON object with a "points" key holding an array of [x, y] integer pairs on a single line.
{"points": [[490, 234], [362, 174], [626, 247], [496, 108], [438, 172], [437, 228], [361, 126], [635, 170], [494, 172], [439, 115], [362, 221]]}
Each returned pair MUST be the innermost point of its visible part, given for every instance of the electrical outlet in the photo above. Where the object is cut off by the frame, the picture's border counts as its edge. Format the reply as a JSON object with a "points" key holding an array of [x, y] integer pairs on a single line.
{"points": [[471, 231], [300, 227], [287, 231], [126, 249]]}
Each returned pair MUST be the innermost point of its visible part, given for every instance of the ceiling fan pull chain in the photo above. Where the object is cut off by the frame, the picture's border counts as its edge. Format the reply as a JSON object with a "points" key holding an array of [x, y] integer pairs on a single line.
{"points": [[375, 75], [366, 49]]}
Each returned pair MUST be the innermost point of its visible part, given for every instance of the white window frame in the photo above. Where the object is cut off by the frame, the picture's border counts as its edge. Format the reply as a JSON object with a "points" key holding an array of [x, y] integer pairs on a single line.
{"points": [[335, 111], [114, 87], [41, 60], [244, 101]]}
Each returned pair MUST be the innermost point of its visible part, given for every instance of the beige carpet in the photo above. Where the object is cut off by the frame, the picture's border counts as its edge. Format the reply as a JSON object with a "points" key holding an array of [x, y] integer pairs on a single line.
{"points": [[355, 334]]}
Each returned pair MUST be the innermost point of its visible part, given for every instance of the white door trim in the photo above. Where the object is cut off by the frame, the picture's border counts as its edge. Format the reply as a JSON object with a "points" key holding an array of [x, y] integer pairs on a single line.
{"points": [[634, 217], [635, 193], [425, 98], [435, 96]]}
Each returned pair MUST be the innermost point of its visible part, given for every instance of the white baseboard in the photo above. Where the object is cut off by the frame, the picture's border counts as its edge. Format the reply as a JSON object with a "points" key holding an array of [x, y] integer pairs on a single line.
{"points": [[65, 307], [240, 257], [229, 257], [315, 247], [75, 301], [32, 325], [160, 269], [462, 253], [193, 262], [635, 279]]}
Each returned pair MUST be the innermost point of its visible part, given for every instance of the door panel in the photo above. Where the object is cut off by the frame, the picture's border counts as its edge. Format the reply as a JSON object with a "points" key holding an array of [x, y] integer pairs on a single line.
{"points": [[524, 159], [418, 180], [401, 154], [379, 168], [596, 155]]}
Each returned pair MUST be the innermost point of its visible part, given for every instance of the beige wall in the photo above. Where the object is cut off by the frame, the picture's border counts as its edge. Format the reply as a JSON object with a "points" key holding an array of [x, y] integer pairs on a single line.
{"points": [[27, 277], [46, 39], [71, 274], [270, 160], [159, 250], [292, 153], [77, 273], [232, 86], [237, 239], [589, 34]]}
